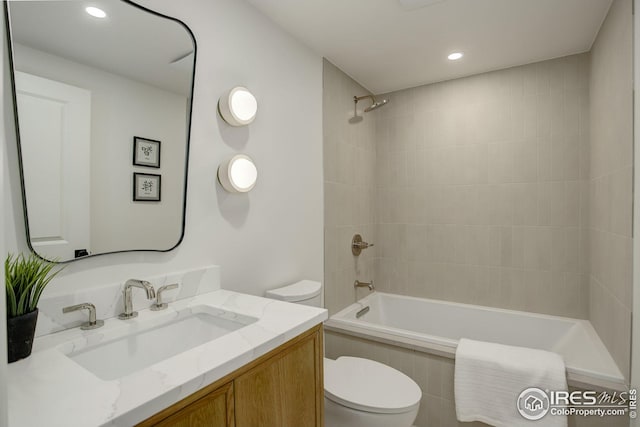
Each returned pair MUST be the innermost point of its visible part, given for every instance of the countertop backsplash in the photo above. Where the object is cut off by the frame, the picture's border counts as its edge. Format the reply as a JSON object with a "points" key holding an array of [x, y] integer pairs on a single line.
{"points": [[108, 298]]}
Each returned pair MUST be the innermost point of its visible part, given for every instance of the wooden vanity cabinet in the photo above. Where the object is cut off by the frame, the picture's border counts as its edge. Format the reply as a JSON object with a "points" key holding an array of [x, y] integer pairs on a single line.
{"points": [[214, 410], [283, 388]]}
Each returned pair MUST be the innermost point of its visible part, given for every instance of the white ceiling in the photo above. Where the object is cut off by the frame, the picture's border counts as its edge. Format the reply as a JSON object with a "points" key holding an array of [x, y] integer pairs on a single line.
{"points": [[129, 42], [386, 45]]}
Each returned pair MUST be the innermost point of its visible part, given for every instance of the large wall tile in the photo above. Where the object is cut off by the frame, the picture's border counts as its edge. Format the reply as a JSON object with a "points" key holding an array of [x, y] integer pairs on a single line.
{"points": [[610, 205]]}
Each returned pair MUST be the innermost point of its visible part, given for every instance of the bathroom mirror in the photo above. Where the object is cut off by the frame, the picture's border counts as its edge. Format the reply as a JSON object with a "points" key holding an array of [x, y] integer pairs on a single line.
{"points": [[103, 95]]}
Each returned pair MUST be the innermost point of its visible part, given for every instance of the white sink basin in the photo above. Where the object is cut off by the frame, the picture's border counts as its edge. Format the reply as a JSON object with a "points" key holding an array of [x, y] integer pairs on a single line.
{"points": [[143, 346]]}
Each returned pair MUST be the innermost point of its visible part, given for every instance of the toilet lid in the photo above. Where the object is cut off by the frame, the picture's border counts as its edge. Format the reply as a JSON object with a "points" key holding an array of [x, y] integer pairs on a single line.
{"points": [[298, 291], [366, 385]]}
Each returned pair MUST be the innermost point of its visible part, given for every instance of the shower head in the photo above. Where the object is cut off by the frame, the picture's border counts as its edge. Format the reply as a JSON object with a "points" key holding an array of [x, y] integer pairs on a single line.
{"points": [[375, 104]]}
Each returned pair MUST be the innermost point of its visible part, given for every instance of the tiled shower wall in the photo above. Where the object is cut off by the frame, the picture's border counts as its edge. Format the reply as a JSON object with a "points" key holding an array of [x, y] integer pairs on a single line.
{"points": [[482, 189], [611, 90], [349, 187]]}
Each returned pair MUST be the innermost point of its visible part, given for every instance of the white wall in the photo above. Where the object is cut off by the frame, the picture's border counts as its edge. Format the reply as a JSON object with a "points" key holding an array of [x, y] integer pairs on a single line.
{"points": [[261, 240], [3, 168], [120, 109], [3, 315]]}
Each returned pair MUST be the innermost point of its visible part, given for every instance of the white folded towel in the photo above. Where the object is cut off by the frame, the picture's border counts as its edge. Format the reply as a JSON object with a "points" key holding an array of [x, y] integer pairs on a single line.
{"points": [[490, 377]]}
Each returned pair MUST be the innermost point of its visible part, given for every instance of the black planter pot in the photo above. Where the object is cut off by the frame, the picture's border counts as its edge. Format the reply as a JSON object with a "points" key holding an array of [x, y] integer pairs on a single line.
{"points": [[20, 332]]}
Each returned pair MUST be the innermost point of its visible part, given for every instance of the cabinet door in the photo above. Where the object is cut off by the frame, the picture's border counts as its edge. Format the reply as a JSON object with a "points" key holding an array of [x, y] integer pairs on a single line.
{"points": [[285, 390], [213, 410]]}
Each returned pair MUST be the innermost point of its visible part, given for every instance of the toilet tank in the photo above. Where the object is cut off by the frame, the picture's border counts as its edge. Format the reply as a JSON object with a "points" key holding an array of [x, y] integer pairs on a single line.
{"points": [[305, 292]]}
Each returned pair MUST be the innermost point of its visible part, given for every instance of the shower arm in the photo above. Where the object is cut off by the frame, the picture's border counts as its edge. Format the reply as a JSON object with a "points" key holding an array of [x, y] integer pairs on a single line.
{"points": [[360, 98], [374, 104]]}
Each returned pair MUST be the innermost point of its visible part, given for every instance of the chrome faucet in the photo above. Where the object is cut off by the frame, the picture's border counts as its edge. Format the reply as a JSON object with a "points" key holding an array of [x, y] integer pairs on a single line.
{"points": [[93, 322], [128, 304], [159, 305], [359, 284]]}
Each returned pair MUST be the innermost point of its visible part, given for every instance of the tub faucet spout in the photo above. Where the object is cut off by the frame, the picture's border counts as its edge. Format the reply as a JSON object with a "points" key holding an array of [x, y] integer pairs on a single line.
{"points": [[359, 284]]}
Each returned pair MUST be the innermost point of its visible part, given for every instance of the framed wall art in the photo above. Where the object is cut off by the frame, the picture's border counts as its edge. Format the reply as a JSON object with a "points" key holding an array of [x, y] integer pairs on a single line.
{"points": [[146, 152], [146, 187]]}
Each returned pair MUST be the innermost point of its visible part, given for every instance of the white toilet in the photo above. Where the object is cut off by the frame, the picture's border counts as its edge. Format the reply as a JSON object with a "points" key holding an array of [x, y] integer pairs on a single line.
{"points": [[358, 392]]}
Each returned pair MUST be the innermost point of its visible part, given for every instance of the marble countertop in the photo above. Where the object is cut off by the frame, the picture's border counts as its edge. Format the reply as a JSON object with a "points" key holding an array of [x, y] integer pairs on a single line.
{"points": [[50, 389]]}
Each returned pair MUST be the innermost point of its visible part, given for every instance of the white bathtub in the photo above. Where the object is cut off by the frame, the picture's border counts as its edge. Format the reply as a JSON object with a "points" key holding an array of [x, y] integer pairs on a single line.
{"points": [[436, 326]]}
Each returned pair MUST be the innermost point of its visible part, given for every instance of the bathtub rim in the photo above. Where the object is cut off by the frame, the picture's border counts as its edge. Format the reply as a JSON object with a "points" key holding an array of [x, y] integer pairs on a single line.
{"points": [[446, 347]]}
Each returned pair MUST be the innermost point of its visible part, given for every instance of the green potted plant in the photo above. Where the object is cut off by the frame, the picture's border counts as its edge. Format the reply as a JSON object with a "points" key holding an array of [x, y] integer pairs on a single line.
{"points": [[25, 279]]}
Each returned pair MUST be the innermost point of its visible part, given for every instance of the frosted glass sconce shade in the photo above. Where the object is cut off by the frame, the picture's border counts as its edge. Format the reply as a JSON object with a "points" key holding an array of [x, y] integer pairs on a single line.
{"points": [[238, 106], [238, 174]]}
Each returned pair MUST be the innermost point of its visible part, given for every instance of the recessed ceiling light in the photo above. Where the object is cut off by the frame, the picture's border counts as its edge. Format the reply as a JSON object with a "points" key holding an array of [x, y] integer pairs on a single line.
{"points": [[95, 12], [455, 56]]}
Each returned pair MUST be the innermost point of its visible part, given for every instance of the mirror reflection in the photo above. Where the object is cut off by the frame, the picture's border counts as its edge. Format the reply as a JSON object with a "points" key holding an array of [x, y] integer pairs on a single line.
{"points": [[103, 93]]}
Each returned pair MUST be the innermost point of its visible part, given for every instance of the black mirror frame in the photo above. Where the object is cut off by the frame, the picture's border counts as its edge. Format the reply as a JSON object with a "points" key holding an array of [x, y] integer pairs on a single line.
{"points": [[17, 127]]}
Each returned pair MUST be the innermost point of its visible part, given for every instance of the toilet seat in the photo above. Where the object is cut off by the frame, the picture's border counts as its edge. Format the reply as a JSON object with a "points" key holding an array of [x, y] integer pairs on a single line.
{"points": [[366, 385]]}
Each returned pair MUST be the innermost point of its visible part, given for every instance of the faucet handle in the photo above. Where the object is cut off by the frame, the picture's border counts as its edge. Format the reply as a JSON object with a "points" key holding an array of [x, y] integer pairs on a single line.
{"points": [[159, 305], [357, 245], [93, 323]]}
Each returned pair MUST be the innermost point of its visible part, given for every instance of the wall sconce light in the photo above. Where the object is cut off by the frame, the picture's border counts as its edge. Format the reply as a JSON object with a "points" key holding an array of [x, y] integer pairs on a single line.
{"points": [[238, 174], [238, 106]]}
